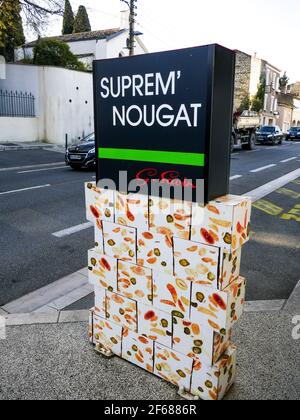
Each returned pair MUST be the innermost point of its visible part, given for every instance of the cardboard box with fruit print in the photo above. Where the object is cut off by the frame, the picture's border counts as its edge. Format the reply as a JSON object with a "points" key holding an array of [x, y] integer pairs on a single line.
{"points": [[100, 204], [224, 223], [138, 349], [206, 265], [168, 293], [213, 383], [198, 341]]}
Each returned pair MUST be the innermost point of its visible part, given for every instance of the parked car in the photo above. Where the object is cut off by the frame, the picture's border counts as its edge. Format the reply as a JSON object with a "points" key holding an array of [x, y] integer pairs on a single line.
{"points": [[269, 134], [83, 154], [293, 134]]}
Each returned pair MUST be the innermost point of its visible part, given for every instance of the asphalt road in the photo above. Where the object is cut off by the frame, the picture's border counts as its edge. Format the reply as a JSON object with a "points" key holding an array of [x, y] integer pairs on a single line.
{"points": [[31, 257]]}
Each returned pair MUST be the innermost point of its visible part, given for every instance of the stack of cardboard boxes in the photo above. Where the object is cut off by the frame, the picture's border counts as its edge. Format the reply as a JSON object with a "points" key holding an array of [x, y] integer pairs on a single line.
{"points": [[167, 284]]}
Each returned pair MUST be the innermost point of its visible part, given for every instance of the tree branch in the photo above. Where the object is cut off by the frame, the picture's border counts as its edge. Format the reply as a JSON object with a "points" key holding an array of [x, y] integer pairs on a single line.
{"points": [[58, 10]]}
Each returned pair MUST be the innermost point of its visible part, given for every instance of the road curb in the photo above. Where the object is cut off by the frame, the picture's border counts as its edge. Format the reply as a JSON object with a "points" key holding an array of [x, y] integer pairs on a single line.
{"points": [[54, 297], [292, 305], [15, 320], [20, 147]]}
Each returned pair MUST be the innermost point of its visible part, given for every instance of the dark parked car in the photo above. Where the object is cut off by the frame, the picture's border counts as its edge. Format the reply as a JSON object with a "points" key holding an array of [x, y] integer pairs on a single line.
{"points": [[269, 134], [293, 134], [83, 154]]}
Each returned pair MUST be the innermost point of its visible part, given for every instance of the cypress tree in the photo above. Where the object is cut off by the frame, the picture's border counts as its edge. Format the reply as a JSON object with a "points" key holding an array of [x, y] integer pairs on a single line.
{"points": [[11, 28], [68, 22], [82, 22]]}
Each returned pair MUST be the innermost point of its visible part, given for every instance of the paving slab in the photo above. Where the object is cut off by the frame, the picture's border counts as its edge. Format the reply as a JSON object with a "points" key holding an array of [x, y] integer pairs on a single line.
{"points": [[56, 362]]}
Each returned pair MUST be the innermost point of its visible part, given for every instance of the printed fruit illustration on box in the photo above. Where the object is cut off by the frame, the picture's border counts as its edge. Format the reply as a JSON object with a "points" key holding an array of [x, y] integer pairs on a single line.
{"points": [[155, 251], [100, 302], [121, 311], [219, 310], [138, 350], [224, 223], [102, 270], [108, 335], [212, 383], [173, 367], [119, 242], [100, 204], [99, 238], [170, 217], [135, 282], [132, 210], [206, 265], [199, 342], [155, 324], [196, 262], [172, 294]]}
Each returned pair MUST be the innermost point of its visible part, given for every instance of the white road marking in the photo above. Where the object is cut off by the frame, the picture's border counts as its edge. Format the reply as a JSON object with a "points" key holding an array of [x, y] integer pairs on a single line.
{"points": [[42, 170], [288, 160], [20, 168], [25, 189], [235, 177], [73, 229], [254, 171], [272, 186]]}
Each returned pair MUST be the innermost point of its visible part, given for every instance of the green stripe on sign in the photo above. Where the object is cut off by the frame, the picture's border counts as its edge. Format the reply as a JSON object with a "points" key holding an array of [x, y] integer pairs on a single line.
{"points": [[175, 158]]}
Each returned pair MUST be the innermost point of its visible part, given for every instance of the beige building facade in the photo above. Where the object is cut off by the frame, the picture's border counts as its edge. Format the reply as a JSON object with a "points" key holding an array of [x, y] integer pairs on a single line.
{"points": [[250, 71]]}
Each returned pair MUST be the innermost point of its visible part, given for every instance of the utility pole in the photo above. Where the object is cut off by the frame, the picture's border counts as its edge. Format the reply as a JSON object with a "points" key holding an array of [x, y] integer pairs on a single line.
{"points": [[132, 16]]}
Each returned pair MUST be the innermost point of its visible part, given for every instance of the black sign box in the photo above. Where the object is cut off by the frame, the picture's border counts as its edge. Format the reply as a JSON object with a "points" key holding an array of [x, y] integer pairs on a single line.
{"points": [[166, 116]]}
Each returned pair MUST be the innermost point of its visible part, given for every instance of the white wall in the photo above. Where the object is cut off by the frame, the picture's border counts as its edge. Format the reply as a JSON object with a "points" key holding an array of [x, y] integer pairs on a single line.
{"points": [[2, 68], [21, 78], [296, 112], [117, 45], [53, 88], [83, 47], [19, 129], [60, 116]]}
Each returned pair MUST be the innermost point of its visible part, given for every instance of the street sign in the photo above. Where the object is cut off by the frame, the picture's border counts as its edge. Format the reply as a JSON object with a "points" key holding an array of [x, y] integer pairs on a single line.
{"points": [[166, 117]]}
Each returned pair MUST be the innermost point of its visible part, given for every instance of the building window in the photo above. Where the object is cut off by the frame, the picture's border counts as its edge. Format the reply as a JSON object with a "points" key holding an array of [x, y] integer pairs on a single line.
{"points": [[272, 103], [268, 78], [266, 102]]}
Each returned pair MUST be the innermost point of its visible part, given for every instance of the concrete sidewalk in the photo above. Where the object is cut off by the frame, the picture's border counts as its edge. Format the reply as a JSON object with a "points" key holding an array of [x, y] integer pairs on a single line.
{"points": [[55, 361]]}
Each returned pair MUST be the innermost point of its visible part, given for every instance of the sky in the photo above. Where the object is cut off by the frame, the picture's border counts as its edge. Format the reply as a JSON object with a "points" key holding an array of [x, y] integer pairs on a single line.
{"points": [[269, 28]]}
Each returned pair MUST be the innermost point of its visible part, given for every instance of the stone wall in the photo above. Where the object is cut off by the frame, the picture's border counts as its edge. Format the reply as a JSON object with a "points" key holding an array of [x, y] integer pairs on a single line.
{"points": [[242, 78]]}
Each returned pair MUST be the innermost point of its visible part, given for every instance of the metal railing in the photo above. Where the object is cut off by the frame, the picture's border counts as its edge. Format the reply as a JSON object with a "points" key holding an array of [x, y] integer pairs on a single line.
{"points": [[17, 104]]}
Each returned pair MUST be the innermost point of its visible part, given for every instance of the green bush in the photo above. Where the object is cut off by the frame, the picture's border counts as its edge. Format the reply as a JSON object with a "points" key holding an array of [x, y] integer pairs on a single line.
{"points": [[52, 52]]}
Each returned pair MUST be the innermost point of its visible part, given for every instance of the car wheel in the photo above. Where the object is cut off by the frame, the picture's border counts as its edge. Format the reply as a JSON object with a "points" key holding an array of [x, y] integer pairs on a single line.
{"points": [[252, 142], [232, 144]]}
